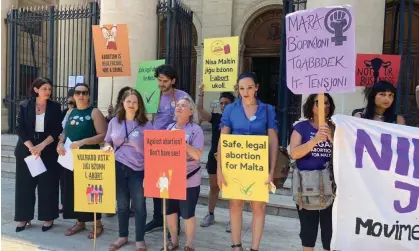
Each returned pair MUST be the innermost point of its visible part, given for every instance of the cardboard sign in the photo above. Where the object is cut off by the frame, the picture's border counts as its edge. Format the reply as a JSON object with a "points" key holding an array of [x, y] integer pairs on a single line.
{"points": [[111, 46], [94, 181], [147, 84], [245, 166], [221, 57], [371, 68], [165, 164], [320, 50], [376, 170]]}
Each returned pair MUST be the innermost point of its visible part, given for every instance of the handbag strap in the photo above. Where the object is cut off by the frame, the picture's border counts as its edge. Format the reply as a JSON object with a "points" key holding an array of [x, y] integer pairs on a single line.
{"points": [[193, 172]]}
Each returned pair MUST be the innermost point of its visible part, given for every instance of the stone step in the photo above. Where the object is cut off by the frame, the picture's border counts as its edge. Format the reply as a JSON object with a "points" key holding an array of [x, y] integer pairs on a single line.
{"points": [[7, 156], [278, 204]]}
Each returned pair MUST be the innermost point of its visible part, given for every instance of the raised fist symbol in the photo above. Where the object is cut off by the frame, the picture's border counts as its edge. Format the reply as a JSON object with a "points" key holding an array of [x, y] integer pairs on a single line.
{"points": [[337, 21]]}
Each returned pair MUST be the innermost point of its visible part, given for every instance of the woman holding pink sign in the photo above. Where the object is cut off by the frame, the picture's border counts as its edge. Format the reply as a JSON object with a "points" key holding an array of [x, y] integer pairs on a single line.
{"points": [[248, 116], [186, 118]]}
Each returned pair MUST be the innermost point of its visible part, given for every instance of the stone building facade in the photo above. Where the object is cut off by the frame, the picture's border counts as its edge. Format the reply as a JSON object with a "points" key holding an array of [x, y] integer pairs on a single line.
{"points": [[256, 22]]}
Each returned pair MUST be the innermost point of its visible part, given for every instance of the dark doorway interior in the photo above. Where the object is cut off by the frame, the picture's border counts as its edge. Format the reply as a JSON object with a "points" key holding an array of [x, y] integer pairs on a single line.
{"points": [[267, 71]]}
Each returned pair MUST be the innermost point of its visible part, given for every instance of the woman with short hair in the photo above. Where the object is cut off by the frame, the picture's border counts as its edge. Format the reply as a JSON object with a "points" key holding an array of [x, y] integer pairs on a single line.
{"points": [[186, 120], [38, 129]]}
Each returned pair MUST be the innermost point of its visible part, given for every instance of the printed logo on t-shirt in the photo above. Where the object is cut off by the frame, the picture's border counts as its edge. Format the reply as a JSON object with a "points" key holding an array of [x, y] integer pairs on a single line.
{"points": [[135, 133], [322, 149]]}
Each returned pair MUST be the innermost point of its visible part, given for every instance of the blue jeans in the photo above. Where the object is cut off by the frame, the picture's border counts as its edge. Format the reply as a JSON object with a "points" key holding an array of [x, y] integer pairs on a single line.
{"points": [[129, 186]]}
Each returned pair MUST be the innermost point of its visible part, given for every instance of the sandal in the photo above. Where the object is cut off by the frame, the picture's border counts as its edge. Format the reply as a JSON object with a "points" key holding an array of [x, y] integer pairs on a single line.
{"points": [[115, 246], [77, 228], [188, 249], [237, 246], [170, 246], [99, 232]]}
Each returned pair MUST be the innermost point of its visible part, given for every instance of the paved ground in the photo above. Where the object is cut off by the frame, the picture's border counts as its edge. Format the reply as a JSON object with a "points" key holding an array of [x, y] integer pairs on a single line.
{"points": [[280, 233]]}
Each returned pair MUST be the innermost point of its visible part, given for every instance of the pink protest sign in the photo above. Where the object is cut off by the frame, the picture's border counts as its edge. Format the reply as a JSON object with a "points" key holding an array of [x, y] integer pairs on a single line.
{"points": [[321, 50]]}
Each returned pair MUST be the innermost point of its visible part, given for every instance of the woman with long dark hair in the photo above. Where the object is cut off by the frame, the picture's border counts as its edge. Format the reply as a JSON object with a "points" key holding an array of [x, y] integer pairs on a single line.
{"points": [[311, 147], [381, 105], [125, 136], [38, 128], [249, 116], [86, 128]]}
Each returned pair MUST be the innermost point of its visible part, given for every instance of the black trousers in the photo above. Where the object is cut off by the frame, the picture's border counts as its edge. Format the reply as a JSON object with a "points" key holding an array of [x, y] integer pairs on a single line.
{"points": [[48, 189], [67, 197], [309, 222]]}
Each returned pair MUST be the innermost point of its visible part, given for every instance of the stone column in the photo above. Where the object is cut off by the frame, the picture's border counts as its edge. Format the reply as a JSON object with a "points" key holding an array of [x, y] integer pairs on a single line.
{"points": [[242, 47], [369, 28], [199, 66], [6, 6], [141, 17]]}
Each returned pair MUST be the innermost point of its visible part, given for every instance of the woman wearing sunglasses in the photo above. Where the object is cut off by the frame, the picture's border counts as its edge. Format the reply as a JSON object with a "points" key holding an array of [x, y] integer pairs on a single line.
{"points": [[86, 128], [125, 137]]}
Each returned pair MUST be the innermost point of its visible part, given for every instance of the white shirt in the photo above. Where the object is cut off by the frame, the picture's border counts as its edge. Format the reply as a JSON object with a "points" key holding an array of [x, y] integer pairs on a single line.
{"points": [[39, 123]]}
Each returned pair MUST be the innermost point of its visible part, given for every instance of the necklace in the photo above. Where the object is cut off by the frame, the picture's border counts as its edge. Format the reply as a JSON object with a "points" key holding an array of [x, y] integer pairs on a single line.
{"points": [[379, 116], [39, 107]]}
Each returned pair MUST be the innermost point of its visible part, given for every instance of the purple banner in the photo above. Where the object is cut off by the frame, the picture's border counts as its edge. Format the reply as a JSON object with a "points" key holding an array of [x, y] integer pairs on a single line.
{"points": [[320, 48]]}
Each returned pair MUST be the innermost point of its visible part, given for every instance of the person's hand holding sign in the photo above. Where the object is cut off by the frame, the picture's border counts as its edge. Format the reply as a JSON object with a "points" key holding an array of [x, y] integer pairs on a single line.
{"points": [[107, 148], [322, 134]]}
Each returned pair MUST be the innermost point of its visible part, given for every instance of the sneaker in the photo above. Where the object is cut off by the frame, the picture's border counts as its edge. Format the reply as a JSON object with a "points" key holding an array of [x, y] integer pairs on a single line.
{"points": [[208, 220], [228, 228], [154, 225]]}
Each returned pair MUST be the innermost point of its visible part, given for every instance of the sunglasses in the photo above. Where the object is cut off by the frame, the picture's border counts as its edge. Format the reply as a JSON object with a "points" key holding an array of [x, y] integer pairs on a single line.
{"points": [[326, 103], [83, 93]]}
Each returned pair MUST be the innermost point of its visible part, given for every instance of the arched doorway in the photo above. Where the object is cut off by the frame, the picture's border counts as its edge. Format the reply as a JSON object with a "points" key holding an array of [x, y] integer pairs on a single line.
{"points": [[262, 40]]}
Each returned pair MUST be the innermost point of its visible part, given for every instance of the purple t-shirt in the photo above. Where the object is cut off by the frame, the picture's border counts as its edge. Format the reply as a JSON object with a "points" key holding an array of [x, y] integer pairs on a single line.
{"points": [[319, 155], [195, 138], [166, 113], [130, 153]]}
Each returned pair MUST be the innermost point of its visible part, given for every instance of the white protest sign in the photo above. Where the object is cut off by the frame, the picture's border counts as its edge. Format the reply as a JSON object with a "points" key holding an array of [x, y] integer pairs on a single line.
{"points": [[376, 168]]}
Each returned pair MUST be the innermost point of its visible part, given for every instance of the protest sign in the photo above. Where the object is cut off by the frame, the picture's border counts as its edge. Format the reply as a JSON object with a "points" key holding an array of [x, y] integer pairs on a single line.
{"points": [[245, 166], [111, 46], [376, 168], [165, 164], [320, 50], [94, 179], [371, 68], [147, 84], [221, 57]]}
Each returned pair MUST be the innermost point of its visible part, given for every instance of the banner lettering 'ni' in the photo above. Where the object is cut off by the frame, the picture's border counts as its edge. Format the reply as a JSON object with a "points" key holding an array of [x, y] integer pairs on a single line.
{"points": [[245, 166], [220, 63], [147, 84], [376, 167], [371, 68], [111, 46], [165, 164], [320, 50], [94, 181]]}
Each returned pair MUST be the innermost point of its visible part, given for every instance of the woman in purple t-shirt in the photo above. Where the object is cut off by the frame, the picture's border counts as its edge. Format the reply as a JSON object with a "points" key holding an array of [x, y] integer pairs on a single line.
{"points": [[125, 136], [311, 147], [186, 118]]}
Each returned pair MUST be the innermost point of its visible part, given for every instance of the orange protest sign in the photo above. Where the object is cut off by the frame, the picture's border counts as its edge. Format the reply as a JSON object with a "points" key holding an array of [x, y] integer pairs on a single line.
{"points": [[111, 50], [165, 164]]}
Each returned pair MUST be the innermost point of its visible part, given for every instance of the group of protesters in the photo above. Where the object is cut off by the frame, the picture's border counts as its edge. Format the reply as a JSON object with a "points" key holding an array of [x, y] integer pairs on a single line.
{"points": [[43, 129]]}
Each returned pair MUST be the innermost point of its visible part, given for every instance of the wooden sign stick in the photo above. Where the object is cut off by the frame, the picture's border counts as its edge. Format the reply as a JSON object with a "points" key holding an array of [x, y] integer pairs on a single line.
{"points": [[164, 225], [94, 231], [112, 92], [320, 103]]}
